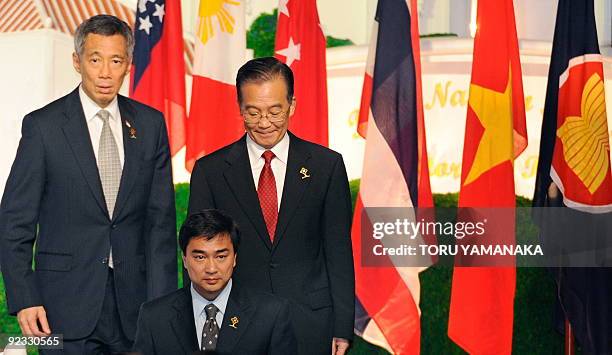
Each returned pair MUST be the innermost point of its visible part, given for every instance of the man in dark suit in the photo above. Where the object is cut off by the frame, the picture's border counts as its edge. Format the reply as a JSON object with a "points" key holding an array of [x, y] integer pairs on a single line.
{"points": [[214, 313], [92, 185], [292, 201]]}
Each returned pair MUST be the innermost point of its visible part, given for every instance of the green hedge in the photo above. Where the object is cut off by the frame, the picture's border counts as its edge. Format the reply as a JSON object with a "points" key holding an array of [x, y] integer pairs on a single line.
{"points": [[262, 33], [535, 293]]}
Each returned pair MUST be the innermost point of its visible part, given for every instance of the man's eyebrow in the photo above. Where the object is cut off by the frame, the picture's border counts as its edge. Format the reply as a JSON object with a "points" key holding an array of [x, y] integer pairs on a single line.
{"points": [[247, 107], [113, 56], [219, 251]]}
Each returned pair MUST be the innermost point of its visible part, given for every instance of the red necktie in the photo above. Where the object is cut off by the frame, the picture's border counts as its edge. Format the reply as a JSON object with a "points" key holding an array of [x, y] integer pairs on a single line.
{"points": [[266, 190]]}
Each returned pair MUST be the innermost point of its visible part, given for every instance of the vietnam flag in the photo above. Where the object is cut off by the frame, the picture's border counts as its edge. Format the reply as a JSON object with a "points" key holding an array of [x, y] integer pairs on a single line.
{"points": [[158, 67], [220, 50], [395, 175], [300, 44], [482, 298]]}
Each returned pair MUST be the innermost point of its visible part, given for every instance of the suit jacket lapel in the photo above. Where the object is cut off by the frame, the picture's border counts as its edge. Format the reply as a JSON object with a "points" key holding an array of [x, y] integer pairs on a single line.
{"points": [[77, 134], [133, 152], [240, 180], [238, 314], [296, 182], [183, 324]]}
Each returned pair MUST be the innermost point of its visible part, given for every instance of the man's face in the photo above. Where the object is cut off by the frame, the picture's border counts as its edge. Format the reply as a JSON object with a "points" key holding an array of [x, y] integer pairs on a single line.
{"points": [[268, 97], [210, 264], [102, 65]]}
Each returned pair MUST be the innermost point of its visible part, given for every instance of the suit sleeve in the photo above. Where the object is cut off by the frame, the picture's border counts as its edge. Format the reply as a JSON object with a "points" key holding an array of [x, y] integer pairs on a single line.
{"points": [[19, 211], [283, 337], [143, 341], [162, 275], [200, 194], [337, 218]]}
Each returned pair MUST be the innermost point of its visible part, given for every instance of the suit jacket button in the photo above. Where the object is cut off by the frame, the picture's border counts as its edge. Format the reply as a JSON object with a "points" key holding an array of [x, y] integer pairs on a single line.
{"points": [[104, 260], [273, 265], [114, 226]]}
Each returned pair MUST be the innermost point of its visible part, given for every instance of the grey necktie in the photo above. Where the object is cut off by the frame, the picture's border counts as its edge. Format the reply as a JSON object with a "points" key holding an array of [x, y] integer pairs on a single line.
{"points": [[109, 167], [210, 332]]}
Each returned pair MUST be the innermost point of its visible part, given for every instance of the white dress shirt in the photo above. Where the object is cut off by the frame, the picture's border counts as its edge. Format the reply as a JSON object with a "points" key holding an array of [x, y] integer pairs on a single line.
{"points": [[94, 123], [199, 303], [279, 163]]}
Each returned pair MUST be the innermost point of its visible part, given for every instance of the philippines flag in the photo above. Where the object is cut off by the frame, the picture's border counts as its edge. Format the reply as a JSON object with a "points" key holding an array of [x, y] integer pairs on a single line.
{"points": [[300, 43], [158, 67], [220, 50], [395, 174]]}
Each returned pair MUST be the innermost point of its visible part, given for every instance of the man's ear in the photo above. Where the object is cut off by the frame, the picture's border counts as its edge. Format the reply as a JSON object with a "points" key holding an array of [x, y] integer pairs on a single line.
{"points": [[76, 63], [129, 66], [235, 257], [292, 107]]}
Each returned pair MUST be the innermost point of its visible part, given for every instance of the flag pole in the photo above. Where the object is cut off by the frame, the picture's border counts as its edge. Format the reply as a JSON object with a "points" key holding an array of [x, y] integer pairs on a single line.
{"points": [[569, 339]]}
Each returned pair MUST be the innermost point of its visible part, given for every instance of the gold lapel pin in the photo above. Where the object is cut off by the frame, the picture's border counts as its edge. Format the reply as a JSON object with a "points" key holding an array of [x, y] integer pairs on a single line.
{"points": [[234, 323], [304, 173], [132, 129]]}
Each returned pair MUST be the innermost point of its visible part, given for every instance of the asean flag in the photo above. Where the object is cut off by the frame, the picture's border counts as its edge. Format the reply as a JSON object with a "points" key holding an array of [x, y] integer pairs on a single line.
{"points": [[300, 44], [581, 157], [158, 69], [220, 50]]}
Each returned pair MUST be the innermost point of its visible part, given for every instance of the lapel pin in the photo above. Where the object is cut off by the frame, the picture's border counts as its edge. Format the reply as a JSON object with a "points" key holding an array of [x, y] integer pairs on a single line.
{"points": [[304, 173], [132, 129], [234, 323]]}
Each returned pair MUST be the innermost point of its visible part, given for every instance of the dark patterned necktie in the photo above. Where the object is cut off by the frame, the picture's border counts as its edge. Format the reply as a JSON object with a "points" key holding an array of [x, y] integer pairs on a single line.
{"points": [[210, 332], [266, 190]]}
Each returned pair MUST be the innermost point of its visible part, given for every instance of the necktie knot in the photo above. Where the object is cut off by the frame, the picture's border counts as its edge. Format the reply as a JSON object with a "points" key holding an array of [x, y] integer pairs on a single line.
{"points": [[211, 311], [104, 115], [268, 156]]}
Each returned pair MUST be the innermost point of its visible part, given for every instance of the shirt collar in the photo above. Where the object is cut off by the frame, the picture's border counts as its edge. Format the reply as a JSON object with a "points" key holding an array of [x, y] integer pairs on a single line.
{"points": [[199, 302], [90, 108], [280, 150]]}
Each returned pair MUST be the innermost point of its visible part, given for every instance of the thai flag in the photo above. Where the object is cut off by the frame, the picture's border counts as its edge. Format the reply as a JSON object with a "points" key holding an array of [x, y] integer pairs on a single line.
{"points": [[395, 174]]}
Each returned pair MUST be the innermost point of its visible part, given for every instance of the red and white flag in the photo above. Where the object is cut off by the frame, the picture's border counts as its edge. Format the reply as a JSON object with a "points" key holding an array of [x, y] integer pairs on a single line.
{"points": [[220, 50], [158, 67], [300, 43], [395, 176]]}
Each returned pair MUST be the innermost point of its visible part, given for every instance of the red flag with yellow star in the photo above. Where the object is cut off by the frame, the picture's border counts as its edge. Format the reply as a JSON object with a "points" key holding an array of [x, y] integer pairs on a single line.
{"points": [[482, 298]]}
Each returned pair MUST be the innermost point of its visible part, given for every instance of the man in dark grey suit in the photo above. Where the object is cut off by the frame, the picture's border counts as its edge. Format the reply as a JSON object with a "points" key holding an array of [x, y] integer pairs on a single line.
{"points": [[214, 314], [91, 185], [291, 200]]}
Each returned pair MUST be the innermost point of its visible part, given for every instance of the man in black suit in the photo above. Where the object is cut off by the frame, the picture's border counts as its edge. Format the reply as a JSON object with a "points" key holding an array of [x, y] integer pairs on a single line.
{"points": [[292, 201], [92, 185], [214, 313]]}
